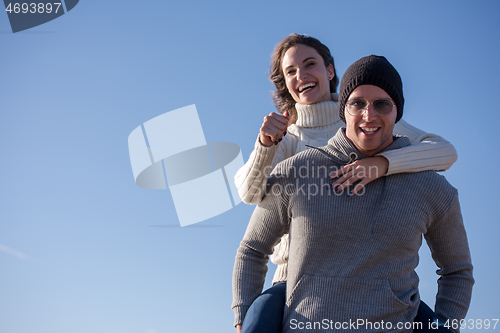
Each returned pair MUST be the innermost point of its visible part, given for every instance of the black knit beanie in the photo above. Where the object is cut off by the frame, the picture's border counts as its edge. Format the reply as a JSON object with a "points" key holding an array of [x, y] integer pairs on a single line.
{"points": [[374, 70]]}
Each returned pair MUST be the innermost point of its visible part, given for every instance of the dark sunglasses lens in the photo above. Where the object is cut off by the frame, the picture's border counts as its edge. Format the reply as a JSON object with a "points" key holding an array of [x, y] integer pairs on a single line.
{"points": [[360, 105], [383, 106], [357, 105]]}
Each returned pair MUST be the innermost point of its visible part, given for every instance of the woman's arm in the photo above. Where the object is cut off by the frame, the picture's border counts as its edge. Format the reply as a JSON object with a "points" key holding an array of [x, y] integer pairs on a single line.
{"points": [[251, 178], [427, 152], [269, 150]]}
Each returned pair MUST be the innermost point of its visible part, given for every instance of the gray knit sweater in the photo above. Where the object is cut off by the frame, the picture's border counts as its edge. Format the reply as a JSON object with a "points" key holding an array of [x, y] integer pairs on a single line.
{"points": [[353, 258]]}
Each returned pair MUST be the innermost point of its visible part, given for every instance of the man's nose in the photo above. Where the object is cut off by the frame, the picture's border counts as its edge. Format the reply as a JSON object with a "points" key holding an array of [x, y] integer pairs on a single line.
{"points": [[369, 113]]}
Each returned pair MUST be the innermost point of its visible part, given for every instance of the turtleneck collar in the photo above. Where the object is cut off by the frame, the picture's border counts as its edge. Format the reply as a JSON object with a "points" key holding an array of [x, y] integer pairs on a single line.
{"points": [[319, 114], [342, 148]]}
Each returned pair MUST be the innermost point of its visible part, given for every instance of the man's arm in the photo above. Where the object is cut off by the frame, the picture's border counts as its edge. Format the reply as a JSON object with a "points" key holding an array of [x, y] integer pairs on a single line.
{"points": [[449, 247], [268, 223]]}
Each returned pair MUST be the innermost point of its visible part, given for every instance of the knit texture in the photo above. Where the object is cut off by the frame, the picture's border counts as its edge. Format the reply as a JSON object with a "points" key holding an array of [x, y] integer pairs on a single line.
{"points": [[315, 125], [374, 70], [354, 257]]}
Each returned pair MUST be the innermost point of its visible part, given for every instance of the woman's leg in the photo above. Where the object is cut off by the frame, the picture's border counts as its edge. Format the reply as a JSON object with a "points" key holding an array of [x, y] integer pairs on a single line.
{"points": [[265, 315], [429, 319]]}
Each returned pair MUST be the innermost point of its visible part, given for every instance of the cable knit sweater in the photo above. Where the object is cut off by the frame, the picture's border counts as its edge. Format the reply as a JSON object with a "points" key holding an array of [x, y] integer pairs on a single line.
{"points": [[315, 125], [354, 257]]}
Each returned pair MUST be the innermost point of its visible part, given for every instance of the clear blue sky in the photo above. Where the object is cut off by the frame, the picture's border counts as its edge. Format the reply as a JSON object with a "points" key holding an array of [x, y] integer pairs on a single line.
{"points": [[83, 249]]}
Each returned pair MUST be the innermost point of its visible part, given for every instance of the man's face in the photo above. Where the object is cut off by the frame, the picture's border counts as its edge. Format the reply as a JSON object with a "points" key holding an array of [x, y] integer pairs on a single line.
{"points": [[370, 132]]}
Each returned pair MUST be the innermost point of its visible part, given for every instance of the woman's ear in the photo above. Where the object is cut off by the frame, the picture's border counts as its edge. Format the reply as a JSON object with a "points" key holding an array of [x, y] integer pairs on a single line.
{"points": [[330, 71]]}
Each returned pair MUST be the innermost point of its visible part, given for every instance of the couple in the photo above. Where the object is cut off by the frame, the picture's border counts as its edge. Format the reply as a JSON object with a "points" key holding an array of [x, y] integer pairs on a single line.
{"points": [[352, 251]]}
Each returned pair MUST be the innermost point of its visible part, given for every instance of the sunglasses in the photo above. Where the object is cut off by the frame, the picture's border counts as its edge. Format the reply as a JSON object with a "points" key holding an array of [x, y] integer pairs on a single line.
{"points": [[356, 106]]}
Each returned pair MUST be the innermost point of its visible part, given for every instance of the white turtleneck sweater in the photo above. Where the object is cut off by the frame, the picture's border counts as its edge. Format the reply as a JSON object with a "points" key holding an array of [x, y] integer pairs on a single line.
{"points": [[315, 125]]}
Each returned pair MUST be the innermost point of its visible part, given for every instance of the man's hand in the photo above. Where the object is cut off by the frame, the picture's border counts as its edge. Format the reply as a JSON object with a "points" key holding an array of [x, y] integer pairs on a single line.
{"points": [[273, 128], [238, 328], [366, 170]]}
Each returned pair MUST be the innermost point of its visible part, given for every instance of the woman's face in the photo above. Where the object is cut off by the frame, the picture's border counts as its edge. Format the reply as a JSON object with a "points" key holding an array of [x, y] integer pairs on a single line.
{"points": [[306, 76]]}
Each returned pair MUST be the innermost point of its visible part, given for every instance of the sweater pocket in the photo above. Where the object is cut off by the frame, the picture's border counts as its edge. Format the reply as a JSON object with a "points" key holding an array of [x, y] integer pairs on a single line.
{"points": [[317, 298]]}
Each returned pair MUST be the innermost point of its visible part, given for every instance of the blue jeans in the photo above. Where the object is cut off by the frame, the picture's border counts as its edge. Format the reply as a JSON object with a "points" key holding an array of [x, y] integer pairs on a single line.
{"points": [[429, 319], [265, 315]]}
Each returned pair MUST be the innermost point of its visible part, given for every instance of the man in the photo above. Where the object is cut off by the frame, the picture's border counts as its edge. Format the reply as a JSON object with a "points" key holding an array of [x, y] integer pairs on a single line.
{"points": [[352, 257]]}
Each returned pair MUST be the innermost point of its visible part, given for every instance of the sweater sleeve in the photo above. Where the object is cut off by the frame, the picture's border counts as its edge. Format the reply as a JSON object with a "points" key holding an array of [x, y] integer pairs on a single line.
{"points": [[447, 241], [427, 152], [251, 178], [268, 223]]}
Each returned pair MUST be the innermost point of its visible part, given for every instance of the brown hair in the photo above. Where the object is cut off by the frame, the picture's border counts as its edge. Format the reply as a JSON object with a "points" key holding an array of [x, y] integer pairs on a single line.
{"points": [[281, 96]]}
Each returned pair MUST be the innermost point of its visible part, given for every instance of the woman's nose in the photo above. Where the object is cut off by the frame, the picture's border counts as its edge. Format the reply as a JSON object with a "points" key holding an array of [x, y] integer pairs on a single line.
{"points": [[301, 74]]}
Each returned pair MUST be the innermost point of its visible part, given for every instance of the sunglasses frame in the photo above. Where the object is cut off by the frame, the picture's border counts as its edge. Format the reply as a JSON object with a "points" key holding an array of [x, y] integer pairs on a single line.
{"points": [[349, 105]]}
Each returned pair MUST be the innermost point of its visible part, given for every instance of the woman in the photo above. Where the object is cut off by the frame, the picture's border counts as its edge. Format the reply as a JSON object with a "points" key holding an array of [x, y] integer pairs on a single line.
{"points": [[303, 72]]}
